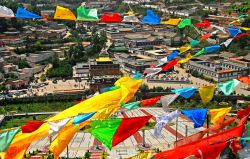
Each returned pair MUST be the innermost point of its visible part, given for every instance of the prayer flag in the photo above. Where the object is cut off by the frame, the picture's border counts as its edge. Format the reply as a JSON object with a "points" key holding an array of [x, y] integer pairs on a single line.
{"points": [[64, 13], [56, 127], [234, 31], [111, 18], [163, 120], [184, 23], [228, 87], [151, 18], [244, 28], [169, 65], [143, 155], [167, 100], [227, 42], [187, 58], [196, 115], [150, 101], [87, 14], [185, 48], [218, 115], [242, 113], [22, 13], [240, 35], [6, 12], [206, 36], [188, 139], [199, 52], [194, 43], [131, 18], [244, 79], [113, 131], [132, 105], [205, 24], [152, 71], [222, 29], [31, 126], [6, 138], [172, 21], [185, 92], [82, 118], [207, 93], [212, 48]]}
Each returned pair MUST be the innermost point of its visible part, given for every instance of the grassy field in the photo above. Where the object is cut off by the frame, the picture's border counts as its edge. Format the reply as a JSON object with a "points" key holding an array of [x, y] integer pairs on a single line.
{"points": [[18, 121]]}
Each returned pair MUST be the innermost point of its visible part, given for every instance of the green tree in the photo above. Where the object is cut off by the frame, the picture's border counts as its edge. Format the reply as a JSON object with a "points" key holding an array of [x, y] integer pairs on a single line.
{"points": [[43, 78]]}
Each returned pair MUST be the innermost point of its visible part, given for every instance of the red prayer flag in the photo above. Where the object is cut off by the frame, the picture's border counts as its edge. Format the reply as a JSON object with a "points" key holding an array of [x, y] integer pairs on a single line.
{"points": [[150, 101], [205, 24], [169, 65], [187, 149], [235, 146], [240, 35], [244, 79], [111, 18], [242, 113], [243, 121], [189, 139], [206, 36], [31, 126]]}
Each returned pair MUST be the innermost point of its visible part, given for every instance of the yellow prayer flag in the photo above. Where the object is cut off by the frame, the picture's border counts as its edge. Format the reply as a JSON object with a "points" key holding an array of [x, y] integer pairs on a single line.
{"points": [[16, 152], [185, 48], [130, 12], [218, 115], [143, 155], [207, 93], [64, 13], [187, 58], [172, 21], [245, 28]]}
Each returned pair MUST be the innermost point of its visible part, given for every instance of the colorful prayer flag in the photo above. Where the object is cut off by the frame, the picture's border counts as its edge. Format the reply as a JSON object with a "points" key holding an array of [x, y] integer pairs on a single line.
{"points": [[6, 138], [185, 92], [218, 115], [184, 23], [6, 12], [82, 118], [56, 127], [151, 18], [199, 52], [222, 29], [244, 79], [132, 105], [186, 59], [244, 28], [31, 126], [188, 139], [64, 13], [212, 48], [170, 57], [234, 31], [205, 24], [194, 43], [198, 116], [87, 14], [242, 113], [163, 120], [172, 21], [207, 93], [143, 155], [206, 36], [131, 18], [227, 42], [152, 71], [185, 48], [113, 131], [228, 87], [22, 13], [169, 65], [150, 101]]}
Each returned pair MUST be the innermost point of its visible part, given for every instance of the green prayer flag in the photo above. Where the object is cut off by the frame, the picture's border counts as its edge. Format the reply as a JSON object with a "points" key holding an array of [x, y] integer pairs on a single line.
{"points": [[246, 138], [132, 105], [6, 139], [194, 43], [185, 22], [228, 87], [87, 14], [199, 52]]}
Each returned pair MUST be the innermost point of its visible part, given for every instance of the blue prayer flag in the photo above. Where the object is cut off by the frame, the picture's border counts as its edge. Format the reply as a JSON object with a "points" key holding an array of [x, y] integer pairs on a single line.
{"points": [[196, 115], [151, 18], [173, 55], [22, 13], [212, 48], [137, 76], [82, 118], [185, 92], [234, 31]]}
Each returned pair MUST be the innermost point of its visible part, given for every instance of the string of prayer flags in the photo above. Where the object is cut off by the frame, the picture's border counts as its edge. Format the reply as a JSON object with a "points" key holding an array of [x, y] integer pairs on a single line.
{"points": [[113, 131], [6, 138], [199, 52], [167, 100], [31, 126], [163, 120], [198, 116], [218, 115], [207, 93], [228, 87], [185, 92], [184, 22], [150, 101], [6, 12], [151, 18], [234, 31], [55, 127], [205, 24], [81, 118], [172, 21], [24, 14], [64, 13]]}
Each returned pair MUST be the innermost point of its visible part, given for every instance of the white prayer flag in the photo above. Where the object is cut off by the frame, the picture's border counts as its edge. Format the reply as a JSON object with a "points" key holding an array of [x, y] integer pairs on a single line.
{"points": [[6, 12], [56, 127], [167, 100]]}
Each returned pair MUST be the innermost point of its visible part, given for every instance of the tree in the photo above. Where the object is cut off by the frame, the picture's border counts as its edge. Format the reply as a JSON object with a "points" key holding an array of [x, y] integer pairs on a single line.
{"points": [[43, 78]]}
